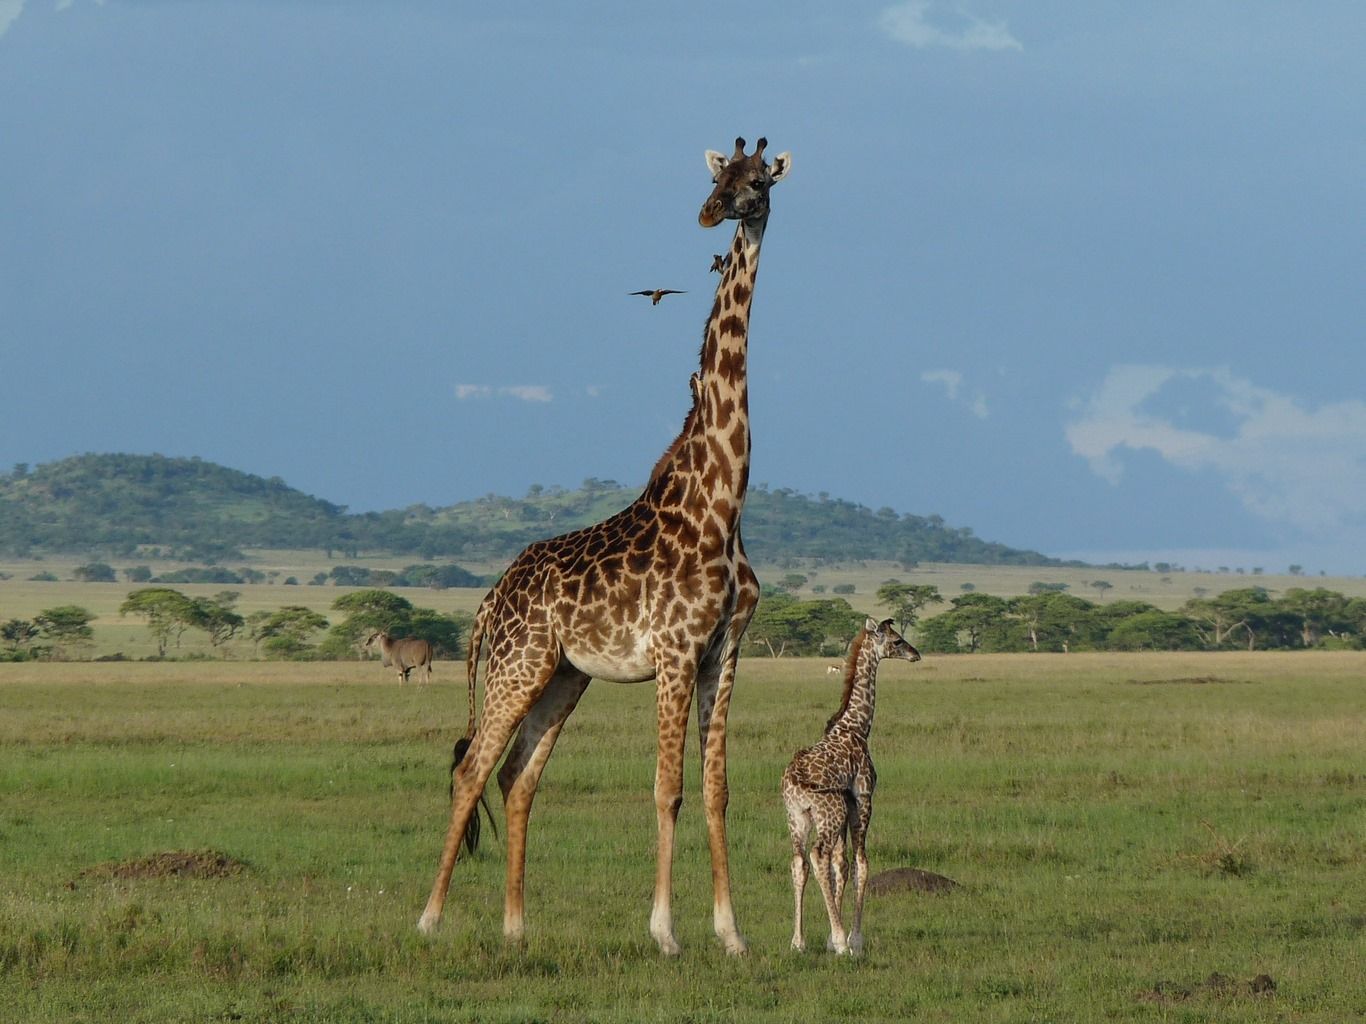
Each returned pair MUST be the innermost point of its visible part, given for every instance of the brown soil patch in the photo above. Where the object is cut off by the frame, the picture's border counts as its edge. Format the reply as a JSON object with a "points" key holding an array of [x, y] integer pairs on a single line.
{"points": [[1189, 681], [1215, 984], [171, 864], [885, 883]]}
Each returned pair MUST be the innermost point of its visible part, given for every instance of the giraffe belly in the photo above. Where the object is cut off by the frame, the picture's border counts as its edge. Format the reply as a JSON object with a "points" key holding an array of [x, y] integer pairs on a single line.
{"points": [[634, 666]]}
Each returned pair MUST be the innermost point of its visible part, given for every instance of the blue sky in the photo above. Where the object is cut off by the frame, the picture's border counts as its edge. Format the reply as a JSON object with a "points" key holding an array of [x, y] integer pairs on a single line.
{"points": [[1088, 278]]}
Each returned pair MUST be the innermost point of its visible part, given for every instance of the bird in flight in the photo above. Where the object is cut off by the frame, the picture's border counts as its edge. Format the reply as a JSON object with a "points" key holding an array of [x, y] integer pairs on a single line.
{"points": [[658, 293]]}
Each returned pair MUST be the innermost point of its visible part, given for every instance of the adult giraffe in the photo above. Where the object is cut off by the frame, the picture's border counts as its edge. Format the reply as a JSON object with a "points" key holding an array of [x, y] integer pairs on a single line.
{"points": [[662, 590]]}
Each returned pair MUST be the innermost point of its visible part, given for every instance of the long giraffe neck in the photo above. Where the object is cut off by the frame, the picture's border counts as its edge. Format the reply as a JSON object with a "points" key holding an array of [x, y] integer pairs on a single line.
{"points": [[724, 400], [860, 690]]}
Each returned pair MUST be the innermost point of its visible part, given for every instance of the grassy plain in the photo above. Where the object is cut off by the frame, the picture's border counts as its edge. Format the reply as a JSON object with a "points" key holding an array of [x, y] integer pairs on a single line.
{"points": [[1125, 828]]}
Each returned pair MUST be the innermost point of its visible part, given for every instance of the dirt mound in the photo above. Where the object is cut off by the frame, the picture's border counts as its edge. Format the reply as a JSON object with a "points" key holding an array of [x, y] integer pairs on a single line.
{"points": [[171, 864], [1190, 681], [909, 880], [1215, 984]]}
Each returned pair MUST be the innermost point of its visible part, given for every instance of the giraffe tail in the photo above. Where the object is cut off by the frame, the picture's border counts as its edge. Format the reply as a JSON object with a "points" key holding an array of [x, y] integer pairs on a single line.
{"points": [[462, 745], [473, 829], [850, 810], [477, 630]]}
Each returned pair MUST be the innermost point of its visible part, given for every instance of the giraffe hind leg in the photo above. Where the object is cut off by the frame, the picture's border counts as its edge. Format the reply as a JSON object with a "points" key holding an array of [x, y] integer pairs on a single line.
{"points": [[858, 837], [487, 746], [799, 827], [828, 811], [521, 774]]}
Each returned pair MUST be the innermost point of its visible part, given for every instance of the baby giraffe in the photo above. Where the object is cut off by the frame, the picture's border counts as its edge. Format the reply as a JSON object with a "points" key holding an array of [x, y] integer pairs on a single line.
{"points": [[828, 790]]}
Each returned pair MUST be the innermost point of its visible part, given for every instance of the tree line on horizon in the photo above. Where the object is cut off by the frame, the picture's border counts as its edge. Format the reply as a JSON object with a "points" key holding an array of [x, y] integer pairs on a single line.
{"points": [[292, 632], [1046, 620]]}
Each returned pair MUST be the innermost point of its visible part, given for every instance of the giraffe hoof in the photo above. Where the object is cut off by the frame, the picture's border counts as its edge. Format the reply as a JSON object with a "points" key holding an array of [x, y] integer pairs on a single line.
{"points": [[427, 923], [669, 946], [736, 946]]}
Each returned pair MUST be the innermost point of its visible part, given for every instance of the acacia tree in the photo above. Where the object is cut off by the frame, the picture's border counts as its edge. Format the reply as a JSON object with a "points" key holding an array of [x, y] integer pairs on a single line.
{"points": [[779, 623], [286, 632], [369, 611], [214, 615], [1050, 619], [1154, 630], [1318, 612], [784, 625], [366, 611], [18, 636], [905, 601], [168, 613], [66, 625], [977, 619]]}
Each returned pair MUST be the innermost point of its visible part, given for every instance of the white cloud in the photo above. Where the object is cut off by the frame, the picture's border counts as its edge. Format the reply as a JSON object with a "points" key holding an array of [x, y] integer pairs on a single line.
{"points": [[523, 392], [951, 379], [527, 392], [1286, 464], [9, 10], [952, 383], [914, 24]]}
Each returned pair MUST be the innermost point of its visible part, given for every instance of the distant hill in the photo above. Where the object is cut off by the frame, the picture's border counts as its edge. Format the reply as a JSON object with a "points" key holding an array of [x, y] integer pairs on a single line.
{"points": [[118, 504]]}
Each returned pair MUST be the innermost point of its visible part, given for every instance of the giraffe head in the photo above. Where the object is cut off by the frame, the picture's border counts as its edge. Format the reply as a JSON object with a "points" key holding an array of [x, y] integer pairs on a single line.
{"points": [[887, 642], [742, 184]]}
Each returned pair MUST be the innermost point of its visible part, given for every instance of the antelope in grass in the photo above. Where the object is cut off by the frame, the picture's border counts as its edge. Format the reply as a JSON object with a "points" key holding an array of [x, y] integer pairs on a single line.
{"points": [[403, 655]]}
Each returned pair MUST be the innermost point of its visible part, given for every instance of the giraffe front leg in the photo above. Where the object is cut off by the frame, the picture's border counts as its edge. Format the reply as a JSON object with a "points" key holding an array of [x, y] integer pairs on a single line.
{"points": [[519, 777], [673, 697], [712, 710]]}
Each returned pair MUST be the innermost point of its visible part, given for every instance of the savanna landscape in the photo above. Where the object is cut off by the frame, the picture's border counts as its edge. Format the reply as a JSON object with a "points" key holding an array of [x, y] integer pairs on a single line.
{"points": [[1134, 837], [312, 314], [214, 829]]}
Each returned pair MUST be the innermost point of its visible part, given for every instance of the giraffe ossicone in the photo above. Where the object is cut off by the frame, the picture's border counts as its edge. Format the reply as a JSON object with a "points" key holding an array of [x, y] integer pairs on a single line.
{"points": [[662, 590]]}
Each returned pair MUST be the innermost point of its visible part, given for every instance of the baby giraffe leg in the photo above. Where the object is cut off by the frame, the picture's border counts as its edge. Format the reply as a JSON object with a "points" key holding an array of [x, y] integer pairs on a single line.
{"points": [[821, 855], [799, 825], [858, 836]]}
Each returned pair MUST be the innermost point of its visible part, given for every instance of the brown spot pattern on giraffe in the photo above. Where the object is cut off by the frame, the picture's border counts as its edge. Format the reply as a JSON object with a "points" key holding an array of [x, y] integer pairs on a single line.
{"points": [[666, 580]]}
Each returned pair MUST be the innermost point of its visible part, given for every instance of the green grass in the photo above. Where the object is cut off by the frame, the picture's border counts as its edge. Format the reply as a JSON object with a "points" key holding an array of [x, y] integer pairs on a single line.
{"points": [[1124, 827]]}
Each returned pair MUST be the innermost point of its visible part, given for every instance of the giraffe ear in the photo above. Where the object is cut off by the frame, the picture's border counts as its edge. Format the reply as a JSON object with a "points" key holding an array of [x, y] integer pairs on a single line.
{"points": [[870, 624], [782, 163], [716, 162]]}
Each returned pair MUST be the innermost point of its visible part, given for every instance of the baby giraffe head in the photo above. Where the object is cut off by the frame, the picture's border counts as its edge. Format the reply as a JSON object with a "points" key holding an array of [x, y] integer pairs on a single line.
{"points": [[742, 184], [886, 642]]}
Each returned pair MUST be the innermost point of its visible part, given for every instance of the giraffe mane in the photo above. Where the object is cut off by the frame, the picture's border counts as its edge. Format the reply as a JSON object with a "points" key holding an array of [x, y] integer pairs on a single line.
{"points": [[850, 668], [665, 460]]}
